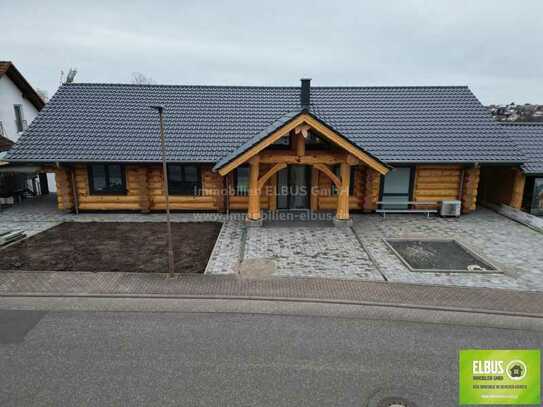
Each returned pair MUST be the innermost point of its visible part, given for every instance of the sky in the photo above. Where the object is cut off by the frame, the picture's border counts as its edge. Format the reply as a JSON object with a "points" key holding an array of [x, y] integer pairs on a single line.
{"points": [[492, 46]]}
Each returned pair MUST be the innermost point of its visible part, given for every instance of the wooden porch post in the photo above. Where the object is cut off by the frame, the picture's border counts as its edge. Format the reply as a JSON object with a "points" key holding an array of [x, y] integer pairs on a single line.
{"points": [[517, 193], [343, 193], [254, 196]]}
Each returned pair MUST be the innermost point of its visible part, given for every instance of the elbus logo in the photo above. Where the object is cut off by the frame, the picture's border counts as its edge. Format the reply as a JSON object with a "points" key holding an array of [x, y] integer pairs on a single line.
{"points": [[515, 370], [499, 377], [488, 366]]}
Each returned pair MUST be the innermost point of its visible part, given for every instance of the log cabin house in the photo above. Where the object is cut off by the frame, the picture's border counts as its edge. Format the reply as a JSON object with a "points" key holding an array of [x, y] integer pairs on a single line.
{"points": [[241, 148]]}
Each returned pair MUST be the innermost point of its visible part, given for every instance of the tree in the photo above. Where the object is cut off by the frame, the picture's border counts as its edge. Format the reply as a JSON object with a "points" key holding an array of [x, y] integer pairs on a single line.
{"points": [[140, 79]]}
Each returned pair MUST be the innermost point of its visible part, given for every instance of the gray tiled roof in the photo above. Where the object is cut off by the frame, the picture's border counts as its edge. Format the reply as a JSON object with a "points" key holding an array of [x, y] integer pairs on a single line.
{"points": [[283, 120], [529, 138], [113, 122], [277, 124]]}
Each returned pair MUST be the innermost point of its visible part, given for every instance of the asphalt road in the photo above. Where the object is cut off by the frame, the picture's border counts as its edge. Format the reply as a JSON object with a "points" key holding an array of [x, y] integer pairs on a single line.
{"points": [[95, 358]]}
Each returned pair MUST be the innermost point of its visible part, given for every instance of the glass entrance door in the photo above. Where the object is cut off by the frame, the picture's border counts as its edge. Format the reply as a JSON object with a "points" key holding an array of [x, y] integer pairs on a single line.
{"points": [[298, 191], [293, 187], [397, 188]]}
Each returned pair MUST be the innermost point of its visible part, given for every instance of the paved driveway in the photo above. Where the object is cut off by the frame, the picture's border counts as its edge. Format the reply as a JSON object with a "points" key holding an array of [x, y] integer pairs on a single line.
{"points": [[514, 248], [360, 252], [311, 251]]}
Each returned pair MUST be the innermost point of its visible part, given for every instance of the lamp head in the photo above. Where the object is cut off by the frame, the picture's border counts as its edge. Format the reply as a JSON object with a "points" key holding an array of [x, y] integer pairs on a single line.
{"points": [[158, 108]]}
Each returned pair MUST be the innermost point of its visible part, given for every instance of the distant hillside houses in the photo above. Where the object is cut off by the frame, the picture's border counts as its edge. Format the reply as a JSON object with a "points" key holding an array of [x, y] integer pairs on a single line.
{"points": [[517, 113]]}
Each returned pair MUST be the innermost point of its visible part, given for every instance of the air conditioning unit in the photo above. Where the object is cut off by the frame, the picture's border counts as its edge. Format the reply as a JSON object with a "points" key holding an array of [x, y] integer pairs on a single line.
{"points": [[450, 208]]}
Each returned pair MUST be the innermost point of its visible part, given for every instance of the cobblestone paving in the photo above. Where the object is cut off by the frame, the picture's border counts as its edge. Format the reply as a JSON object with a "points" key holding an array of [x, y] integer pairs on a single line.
{"points": [[513, 248], [311, 251], [225, 257], [34, 216]]}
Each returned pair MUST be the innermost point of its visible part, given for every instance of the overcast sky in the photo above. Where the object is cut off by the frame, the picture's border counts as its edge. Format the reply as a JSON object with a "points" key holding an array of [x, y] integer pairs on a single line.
{"points": [[493, 46]]}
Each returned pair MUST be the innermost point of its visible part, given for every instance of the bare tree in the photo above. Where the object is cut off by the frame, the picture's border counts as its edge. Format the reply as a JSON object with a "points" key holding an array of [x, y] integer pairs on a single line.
{"points": [[140, 79]]}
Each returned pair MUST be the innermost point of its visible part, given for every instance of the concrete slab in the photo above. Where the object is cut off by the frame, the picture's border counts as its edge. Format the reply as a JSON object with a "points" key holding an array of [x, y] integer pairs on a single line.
{"points": [[257, 268]]}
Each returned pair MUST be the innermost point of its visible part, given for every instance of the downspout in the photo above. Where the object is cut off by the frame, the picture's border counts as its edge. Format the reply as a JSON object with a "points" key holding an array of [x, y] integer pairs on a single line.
{"points": [[74, 191], [461, 187], [226, 195]]}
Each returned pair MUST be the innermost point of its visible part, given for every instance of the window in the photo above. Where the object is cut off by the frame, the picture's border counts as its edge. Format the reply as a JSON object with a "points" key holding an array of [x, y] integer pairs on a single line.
{"points": [[107, 179], [537, 197], [242, 180], [396, 188], [314, 142], [184, 179], [19, 119], [338, 174], [283, 143]]}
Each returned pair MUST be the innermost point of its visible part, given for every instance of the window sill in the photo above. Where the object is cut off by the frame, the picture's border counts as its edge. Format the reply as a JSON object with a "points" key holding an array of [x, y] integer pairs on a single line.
{"points": [[99, 193]]}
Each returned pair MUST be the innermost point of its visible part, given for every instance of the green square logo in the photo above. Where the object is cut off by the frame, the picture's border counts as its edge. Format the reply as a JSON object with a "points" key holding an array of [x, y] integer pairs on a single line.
{"points": [[499, 377]]}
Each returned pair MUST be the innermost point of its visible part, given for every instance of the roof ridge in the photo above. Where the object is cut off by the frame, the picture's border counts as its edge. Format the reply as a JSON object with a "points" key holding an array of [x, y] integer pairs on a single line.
{"points": [[521, 123], [265, 86]]}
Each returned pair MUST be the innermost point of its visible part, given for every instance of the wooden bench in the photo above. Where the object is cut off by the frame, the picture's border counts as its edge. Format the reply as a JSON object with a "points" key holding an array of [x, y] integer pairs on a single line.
{"points": [[427, 211]]}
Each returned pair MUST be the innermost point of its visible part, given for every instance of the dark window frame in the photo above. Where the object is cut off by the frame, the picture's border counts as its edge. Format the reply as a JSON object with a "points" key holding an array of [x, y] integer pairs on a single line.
{"points": [[236, 191], [90, 173], [322, 144], [19, 117], [288, 146], [412, 174], [173, 190]]}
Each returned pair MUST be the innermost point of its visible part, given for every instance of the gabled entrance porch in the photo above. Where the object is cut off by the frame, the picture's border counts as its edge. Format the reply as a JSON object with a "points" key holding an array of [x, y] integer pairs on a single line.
{"points": [[287, 161]]}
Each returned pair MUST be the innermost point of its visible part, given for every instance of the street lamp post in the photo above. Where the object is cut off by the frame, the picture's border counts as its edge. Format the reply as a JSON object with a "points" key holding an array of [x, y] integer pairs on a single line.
{"points": [[171, 266]]}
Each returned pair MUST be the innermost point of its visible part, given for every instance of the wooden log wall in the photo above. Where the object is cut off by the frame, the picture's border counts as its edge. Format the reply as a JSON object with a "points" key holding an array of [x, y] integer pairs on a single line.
{"points": [[64, 188], [372, 184], [470, 188], [437, 182], [144, 191], [519, 183]]}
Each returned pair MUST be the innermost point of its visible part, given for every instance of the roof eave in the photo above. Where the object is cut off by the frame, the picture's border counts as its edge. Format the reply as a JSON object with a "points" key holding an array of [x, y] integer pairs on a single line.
{"points": [[24, 86]]}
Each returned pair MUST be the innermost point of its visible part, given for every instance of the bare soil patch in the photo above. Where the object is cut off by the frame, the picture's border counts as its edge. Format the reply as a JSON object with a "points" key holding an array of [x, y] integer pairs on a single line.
{"points": [[113, 246]]}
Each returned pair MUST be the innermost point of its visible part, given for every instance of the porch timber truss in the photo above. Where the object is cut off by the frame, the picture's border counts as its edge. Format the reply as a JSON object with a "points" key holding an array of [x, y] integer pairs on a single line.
{"points": [[346, 154]]}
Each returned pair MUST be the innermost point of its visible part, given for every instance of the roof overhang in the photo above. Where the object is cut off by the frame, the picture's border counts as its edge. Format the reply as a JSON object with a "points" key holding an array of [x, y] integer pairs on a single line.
{"points": [[251, 149], [24, 169], [8, 68]]}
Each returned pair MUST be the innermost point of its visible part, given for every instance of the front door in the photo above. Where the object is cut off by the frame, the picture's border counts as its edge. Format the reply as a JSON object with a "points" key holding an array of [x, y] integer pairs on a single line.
{"points": [[293, 187]]}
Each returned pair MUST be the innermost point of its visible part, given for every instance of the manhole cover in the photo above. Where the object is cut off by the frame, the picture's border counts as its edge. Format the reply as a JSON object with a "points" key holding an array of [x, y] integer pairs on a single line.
{"points": [[395, 402], [439, 255], [391, 398]]}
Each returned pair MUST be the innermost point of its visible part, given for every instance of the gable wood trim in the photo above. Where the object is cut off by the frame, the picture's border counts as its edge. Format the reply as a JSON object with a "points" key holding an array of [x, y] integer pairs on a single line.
{"points": [[270, 173], [305, 118]]}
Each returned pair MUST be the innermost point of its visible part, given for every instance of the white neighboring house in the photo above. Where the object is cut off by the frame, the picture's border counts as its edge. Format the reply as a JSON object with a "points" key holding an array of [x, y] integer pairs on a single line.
{"points": [[19, 105]]}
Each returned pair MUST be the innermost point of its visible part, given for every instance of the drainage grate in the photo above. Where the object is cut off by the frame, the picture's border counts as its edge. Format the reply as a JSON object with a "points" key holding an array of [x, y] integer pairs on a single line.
{"points": [[439, 255]]}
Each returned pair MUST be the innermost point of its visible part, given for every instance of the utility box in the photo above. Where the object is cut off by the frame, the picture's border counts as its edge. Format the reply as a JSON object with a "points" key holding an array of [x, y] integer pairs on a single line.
{"points": [[450, 208]]}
